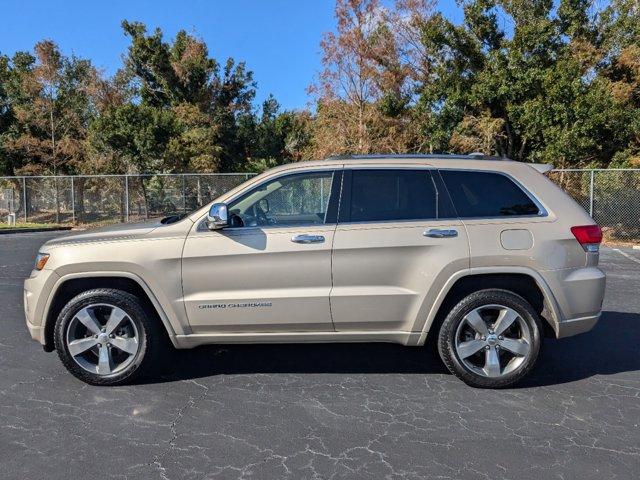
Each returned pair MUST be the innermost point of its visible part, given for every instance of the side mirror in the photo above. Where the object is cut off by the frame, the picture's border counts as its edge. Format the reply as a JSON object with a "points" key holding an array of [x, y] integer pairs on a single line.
{"points": [[218, 216]]}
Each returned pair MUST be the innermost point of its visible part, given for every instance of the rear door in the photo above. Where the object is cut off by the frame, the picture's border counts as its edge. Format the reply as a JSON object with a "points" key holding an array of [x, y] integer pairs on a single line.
{"points": [[398, 240]]}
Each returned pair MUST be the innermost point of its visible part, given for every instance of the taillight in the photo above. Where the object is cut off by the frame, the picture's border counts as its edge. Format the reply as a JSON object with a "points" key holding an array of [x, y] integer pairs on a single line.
{"points": [[589, 236]]}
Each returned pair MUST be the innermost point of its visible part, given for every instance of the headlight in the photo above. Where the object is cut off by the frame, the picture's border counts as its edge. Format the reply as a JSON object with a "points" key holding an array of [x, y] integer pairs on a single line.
{"points": [[41, 260]]}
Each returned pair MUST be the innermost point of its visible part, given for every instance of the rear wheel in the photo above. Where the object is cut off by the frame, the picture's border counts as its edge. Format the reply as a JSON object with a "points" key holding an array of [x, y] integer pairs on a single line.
{"points": [[105, 337], [491, 339]]}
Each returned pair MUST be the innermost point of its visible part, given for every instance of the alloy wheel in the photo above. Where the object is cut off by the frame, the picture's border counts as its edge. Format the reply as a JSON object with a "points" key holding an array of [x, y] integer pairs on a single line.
{"points": [[493, 340], [102, 339]]}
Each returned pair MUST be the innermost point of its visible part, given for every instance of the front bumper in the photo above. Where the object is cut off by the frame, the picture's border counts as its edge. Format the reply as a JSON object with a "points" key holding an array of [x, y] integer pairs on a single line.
{"points": [[37, 289], [36, 332]]}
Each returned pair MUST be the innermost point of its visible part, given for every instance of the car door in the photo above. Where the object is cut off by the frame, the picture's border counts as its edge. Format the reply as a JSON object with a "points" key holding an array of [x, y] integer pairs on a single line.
{"points": [[270, 271], [397, 242]]}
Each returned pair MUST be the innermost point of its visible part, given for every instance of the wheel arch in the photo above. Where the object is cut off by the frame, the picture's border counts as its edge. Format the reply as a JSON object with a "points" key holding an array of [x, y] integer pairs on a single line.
{"points": [[69, 286], [522, 281]]}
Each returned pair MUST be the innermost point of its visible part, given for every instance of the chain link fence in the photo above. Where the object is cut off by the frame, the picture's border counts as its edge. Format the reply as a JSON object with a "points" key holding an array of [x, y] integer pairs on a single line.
{"points": [[103, 199], [611, 197]]}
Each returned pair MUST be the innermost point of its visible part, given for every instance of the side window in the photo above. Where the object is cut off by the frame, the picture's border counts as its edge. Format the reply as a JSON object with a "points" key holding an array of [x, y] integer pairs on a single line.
{"points": [[486, 194], [387, 194], [298, 199]]}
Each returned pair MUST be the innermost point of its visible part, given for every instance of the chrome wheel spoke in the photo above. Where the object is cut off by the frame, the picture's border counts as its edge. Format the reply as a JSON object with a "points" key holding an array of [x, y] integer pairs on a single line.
{"points": [[505, 319], [492, 362], [474, 319], [87, 317], [468, 348], [127, 345], [517, 347], [105, 361], [115, 319], [81, 345]]}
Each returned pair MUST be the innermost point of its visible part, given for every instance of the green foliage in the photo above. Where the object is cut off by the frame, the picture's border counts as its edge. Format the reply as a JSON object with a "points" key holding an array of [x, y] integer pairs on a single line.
{"points": [[47, 109], [138, 134], [534, 80], [550, 82]]}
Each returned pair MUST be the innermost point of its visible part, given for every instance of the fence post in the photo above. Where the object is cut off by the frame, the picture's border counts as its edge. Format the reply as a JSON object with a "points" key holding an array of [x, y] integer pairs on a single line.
{"points": [[591, 195], [126, 198], [184, 194], [73, 202], [24, 198]]}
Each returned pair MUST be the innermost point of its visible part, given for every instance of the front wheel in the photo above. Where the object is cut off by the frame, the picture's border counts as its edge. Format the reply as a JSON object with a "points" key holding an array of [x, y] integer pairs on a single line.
{"points": [[491, 339], [105, 337]]}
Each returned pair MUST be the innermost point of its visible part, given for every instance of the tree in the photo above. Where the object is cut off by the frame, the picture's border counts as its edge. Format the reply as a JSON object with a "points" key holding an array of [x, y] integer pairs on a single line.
{"points": [[137, 138], [52, 110], [181, 75], [138, 134], [540, 93], [6, 112], [274, 137], [363, 99]]}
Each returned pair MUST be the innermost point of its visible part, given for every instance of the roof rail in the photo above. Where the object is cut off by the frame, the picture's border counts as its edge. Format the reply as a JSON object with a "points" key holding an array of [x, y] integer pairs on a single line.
{"points": [[402, 156]]}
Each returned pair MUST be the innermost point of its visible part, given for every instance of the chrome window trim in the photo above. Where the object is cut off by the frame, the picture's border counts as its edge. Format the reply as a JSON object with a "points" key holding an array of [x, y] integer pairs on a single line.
{"points": [[203, 228], [543, 212], [410, 221]]}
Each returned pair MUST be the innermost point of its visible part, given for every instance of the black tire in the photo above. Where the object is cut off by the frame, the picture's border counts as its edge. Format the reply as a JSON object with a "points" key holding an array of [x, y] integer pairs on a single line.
{"points": [[451, 327], [148, 335]]}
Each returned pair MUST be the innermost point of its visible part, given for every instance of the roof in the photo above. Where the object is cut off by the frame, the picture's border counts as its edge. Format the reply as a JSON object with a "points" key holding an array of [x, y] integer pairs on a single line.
{"points": [[417, 156]]}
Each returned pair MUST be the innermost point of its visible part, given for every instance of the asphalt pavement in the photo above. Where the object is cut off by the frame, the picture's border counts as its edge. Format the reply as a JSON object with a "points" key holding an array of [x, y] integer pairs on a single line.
{"points": [[324, 411]]}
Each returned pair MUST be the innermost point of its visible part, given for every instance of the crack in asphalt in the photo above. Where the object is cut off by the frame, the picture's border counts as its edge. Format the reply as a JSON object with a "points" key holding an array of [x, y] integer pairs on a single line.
{"points": [[325, 412], [190, 403]]}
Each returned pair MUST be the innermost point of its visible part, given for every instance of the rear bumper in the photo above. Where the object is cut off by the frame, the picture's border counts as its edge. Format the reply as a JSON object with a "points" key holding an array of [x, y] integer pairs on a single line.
{"points": [[579, 294], [575, 326]]}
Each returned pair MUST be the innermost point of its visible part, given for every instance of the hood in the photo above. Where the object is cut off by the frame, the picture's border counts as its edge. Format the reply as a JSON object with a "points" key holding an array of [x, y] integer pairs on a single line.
{"points": [[124, 231]]}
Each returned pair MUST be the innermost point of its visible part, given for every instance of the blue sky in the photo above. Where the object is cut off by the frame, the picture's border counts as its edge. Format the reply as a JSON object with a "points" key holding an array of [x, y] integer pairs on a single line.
{"points": [[278, 39]]}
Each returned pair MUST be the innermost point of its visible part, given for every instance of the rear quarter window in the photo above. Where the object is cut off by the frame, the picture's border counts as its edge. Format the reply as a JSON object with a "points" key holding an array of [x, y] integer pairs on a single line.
{"points": [[486, 194]]}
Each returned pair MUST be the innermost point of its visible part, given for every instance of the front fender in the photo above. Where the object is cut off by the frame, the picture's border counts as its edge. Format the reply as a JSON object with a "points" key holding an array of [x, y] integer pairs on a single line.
{"points": [[171, 320]]}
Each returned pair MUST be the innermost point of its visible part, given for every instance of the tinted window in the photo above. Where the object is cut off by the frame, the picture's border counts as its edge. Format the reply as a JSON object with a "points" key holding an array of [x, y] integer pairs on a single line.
{"points": [[379, 195], [485, 194]]}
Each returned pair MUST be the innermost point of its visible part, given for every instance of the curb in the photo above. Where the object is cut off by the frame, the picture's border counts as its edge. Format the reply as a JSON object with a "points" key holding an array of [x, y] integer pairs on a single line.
{"points": [[7, 231]]}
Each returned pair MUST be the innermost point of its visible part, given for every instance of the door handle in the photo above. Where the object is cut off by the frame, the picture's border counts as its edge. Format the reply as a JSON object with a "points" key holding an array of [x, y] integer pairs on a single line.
{"points": [[440, 233], [307, 238]]}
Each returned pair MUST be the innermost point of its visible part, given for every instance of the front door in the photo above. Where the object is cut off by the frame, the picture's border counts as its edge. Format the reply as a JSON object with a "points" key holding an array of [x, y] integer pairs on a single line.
{"points": [[271, 270], [397, 237]]}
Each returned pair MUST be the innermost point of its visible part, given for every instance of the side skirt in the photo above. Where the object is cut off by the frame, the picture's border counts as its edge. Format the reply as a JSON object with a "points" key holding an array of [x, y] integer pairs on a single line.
{"points": [[194, 340]]}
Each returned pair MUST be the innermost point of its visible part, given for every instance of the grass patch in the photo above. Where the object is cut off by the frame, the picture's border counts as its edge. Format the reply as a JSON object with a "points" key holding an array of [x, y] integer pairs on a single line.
{"points": [[31, 225]]}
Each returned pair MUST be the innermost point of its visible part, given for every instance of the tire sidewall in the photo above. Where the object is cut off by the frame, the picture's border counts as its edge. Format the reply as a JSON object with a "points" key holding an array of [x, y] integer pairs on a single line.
{"points": [[131, 306], [448, 331]]}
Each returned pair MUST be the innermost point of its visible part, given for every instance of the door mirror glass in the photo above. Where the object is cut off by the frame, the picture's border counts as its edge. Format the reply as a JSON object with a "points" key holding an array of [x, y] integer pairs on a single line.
{"points": [[218, 216]]}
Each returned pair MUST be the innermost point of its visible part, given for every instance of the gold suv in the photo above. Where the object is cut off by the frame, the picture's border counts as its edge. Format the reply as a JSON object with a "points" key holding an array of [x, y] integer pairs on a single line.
{"points": [[485, 255]]}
